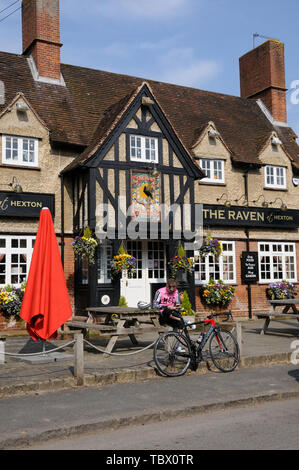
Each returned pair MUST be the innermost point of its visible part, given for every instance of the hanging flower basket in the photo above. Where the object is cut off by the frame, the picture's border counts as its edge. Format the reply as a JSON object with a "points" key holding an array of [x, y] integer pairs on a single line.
{"points": [[281, 290], [85, 246], [11, 301], [211, 246], [216, 294], [123, 262], [180, 263]]}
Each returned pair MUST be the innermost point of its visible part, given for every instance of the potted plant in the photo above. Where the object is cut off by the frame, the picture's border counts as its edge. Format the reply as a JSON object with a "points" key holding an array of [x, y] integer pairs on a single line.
{"points": [[85, 246], [10, 303], [216, 294], [180, 263], [123, 262], [281, 290], [211, 246], [186, 308]]}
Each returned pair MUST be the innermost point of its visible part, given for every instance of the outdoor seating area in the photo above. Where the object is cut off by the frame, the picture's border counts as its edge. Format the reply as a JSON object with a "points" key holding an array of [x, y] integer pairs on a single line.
{"points": [[117, 322], [289, 311]]}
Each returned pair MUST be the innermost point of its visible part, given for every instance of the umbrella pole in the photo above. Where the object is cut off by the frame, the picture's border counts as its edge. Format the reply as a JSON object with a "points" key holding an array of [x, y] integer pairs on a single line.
{"points": [[44, 347]]}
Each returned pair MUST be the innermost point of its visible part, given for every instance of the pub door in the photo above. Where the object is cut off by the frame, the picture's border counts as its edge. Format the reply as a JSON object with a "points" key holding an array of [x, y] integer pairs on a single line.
{"points": [[151, 269]]}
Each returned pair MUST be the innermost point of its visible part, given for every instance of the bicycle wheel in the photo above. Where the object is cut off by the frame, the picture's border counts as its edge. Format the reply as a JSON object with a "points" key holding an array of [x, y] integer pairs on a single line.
{"points": [[172, 354], [224, 350]]}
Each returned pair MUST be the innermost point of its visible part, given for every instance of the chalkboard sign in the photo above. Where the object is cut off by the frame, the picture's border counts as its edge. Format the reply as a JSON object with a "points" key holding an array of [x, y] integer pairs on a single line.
{"points": [[249, 266]]}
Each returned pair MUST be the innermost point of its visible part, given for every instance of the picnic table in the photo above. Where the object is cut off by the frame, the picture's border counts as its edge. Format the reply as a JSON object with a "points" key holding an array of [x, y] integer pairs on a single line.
{"points": [[287, 304], [116, 322]]}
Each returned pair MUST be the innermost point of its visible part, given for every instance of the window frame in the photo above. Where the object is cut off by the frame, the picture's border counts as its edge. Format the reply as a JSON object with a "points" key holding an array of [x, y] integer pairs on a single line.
{"points": [[271, 253], [20, 141], [220, 263], [275, 176], [143, 148], [213, 162], [9, 251]]}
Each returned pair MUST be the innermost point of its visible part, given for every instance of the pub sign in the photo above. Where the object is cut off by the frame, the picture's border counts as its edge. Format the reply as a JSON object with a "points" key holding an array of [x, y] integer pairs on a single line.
{"points": [[249, 266], [25, 204]]}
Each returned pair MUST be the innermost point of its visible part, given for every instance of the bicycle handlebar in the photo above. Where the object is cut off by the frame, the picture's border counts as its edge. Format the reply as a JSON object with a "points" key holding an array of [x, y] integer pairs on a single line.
{"points": [[228, 315]]}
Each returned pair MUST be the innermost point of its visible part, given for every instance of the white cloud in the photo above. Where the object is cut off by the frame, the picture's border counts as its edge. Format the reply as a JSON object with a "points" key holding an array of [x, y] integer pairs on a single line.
{"points": [[181, 66]]}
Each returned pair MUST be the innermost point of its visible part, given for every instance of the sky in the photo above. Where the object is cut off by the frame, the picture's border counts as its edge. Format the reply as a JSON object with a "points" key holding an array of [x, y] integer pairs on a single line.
{"points": [[194, 43]]}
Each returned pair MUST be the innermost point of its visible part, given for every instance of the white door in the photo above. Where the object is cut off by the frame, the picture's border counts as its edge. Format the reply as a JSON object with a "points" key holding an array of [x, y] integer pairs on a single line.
{"points": [[150, 256]]}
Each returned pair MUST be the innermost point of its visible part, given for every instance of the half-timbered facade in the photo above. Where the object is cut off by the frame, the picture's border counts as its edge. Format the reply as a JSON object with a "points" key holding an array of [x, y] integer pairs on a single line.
{"points": [[135, 149]]}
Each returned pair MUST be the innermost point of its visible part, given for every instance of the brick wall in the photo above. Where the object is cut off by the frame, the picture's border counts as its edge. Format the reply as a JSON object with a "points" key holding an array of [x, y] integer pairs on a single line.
{"points": [[239, 305]]}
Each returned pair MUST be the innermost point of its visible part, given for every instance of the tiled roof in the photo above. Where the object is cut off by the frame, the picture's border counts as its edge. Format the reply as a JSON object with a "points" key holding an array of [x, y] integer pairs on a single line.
{"points": [[91, 99]]}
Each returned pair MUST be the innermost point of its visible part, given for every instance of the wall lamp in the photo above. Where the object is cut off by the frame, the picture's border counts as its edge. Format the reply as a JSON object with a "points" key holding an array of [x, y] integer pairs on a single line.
{"points": [[245, 203], [15, 185], [213, 133], [226, 202], [264, 203], [283, 206]]}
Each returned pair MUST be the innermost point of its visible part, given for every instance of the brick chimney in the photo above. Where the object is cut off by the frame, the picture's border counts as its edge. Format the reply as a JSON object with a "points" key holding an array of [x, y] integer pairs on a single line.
{"points": [[262, 76], [41, 36]]}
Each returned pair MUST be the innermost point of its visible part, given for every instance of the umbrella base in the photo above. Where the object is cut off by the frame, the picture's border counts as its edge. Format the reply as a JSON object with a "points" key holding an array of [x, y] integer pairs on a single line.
{"points": [[44, 358]]}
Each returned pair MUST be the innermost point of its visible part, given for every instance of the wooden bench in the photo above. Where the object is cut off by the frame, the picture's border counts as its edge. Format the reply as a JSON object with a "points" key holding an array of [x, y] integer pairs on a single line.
{"points": [[287, 304], [129, 322]]}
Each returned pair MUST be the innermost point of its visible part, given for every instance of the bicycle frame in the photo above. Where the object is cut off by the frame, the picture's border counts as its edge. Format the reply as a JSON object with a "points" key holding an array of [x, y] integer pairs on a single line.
{"points": [[207, 335]]}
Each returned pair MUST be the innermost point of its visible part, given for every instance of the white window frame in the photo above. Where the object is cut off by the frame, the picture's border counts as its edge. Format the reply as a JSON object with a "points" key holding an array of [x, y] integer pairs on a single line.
{"points": [[222, 265], [273, 176], [214, 166], [9, 251], [17, 147], [275, 274], [140, 145]]}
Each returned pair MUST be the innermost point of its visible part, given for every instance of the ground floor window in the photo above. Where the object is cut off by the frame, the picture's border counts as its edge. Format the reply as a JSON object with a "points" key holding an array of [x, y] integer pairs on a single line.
{"points": [[277, 261], [224, 269], [104, 258], [15, 258]]}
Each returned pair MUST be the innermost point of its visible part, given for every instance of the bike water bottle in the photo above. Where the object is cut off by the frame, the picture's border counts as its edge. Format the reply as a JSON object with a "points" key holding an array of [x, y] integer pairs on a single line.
{"points": [[199, 339]]}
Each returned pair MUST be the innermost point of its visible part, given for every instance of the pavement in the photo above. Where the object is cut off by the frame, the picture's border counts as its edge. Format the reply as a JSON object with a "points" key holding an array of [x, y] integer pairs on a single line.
{"points": [[125, 389], [127, 364]]}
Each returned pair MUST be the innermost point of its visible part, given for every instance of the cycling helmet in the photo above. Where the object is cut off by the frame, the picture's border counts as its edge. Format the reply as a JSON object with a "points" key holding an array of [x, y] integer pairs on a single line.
{"points": [[143, 305]]}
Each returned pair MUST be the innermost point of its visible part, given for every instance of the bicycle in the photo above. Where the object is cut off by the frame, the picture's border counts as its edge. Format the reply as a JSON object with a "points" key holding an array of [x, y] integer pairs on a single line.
{"points": [[175, 351]]}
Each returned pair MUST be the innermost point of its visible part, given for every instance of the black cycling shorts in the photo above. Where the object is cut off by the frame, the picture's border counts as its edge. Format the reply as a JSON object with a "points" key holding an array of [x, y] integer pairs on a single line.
{"points": [[165, 320]]}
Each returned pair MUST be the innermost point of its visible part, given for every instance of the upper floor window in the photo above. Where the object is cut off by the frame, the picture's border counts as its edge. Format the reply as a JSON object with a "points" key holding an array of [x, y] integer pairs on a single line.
{"points": [[19, 150], [143, 149], [214, 169], [275, 177]]}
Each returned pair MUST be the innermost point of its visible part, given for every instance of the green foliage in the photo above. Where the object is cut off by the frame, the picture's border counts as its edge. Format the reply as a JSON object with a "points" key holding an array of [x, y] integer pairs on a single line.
{"points": [[122, 301], [186, 304], [181, 251], [87, 232]]}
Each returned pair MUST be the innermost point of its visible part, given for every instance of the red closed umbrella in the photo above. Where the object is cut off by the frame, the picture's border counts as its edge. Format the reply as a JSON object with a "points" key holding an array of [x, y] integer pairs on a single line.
{"points": [[46, 305]]}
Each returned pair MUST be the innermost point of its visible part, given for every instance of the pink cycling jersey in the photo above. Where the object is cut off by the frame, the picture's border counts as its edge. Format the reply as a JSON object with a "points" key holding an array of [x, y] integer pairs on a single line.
{"points": [[163, 298]]}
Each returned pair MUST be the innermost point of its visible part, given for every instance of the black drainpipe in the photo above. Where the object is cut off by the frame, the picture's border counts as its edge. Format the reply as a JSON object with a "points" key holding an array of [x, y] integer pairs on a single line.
{"points": [[62, 219], [245, 176]]}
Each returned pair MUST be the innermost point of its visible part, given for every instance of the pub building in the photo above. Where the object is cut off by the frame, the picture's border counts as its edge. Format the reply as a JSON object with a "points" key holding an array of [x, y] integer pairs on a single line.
{"points": [[114, 152]]}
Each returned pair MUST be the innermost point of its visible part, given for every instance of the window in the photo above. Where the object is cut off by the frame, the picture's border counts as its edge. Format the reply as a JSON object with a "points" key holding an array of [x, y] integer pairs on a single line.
{"points": [[214, 169], [275, 176], [277, 261], [224, 269], [19, 150], [104, 258], [143, 149], [15, 258]]}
